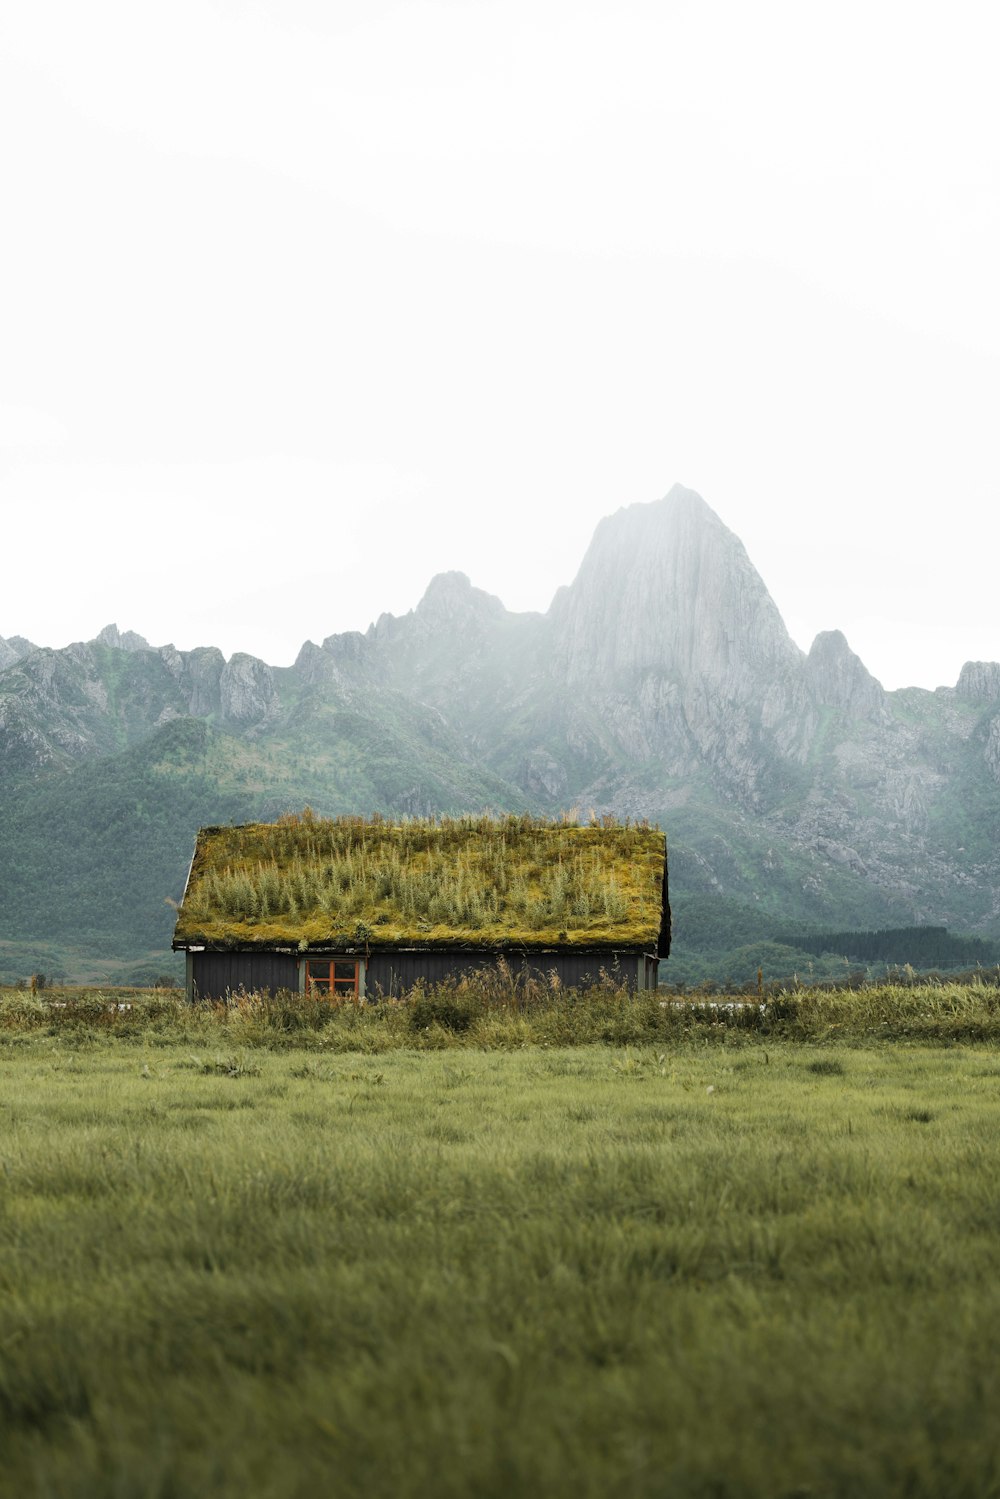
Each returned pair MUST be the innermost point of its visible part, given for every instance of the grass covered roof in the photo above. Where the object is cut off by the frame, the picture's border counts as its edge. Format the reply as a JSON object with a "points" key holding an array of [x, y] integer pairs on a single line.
{"points": [[346, 883]]}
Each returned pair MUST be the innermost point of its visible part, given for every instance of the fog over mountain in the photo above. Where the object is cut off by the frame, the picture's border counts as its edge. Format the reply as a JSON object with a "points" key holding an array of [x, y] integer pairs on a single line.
{"points": [[662, 683]]}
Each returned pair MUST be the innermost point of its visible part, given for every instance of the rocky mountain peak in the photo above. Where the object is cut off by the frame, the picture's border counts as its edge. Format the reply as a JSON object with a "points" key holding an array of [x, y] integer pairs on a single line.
{"points": [[12, 649], [667, 587], [350, 647], [452, 617], [126, 640], [979, 681], [450, 596], [246, 688], [839, 679]]}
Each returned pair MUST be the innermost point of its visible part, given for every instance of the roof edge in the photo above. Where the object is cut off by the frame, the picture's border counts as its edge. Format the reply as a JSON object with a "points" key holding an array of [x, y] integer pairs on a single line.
{"points": [[375, 949]]}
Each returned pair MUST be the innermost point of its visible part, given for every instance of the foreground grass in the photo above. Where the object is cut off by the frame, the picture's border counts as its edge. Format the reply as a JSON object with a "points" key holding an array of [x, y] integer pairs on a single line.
{"points": [[701, 1270]]}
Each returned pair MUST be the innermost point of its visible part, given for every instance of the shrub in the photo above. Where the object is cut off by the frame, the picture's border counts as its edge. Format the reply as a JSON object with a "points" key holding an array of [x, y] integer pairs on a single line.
{"points": [[454, 1007]]}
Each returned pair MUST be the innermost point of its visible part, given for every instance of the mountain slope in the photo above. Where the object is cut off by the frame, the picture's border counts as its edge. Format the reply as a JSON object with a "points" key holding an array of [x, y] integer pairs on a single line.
{"points": [[661, 683]]}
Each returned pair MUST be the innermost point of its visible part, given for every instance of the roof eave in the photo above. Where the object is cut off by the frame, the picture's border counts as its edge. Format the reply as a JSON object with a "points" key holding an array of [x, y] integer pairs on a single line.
{"points": [[646, 944]]}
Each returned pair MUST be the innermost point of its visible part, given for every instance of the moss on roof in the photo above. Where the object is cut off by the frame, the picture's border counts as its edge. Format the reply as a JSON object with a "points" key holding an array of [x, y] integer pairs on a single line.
{"points": [[465, 882]]}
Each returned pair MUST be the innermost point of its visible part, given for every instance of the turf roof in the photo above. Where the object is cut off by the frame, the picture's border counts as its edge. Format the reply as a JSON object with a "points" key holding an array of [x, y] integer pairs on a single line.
{"points": [[346, 883]]}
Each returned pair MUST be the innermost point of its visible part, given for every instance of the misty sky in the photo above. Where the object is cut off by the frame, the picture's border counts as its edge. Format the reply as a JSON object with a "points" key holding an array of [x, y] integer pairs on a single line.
{"points": [[306, 300]]}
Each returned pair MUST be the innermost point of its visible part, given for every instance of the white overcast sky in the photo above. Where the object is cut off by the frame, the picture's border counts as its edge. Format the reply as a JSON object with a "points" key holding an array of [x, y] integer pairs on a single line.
{"points": [[302, 301]]}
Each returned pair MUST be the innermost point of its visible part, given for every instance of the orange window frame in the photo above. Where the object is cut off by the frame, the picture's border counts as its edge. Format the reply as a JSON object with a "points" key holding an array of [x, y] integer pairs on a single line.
{"points": [[323, 981]]}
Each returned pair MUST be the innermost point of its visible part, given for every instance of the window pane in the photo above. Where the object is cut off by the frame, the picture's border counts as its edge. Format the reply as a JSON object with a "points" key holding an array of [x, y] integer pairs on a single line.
{"points": [[327, 978], [317, 977]]}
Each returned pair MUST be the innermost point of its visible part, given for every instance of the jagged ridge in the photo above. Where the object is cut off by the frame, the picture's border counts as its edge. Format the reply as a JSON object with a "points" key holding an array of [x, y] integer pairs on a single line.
{"points": [[661, 683]]}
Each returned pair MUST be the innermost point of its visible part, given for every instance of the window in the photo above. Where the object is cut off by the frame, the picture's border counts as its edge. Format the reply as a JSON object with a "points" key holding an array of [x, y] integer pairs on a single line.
{"points": [[332, 978]]}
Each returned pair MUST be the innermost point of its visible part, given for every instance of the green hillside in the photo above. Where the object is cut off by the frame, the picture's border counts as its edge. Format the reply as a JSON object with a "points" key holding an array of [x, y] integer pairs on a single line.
{"points": [[93, 854]]}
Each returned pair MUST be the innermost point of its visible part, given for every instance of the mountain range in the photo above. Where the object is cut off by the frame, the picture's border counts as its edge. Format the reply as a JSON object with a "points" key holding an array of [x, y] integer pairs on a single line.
{"points": [[662, 683]]}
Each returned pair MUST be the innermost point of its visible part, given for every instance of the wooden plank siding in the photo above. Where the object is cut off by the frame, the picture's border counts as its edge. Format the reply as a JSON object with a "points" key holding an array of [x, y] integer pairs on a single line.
{"points": [[394, 973], [214, 975]]}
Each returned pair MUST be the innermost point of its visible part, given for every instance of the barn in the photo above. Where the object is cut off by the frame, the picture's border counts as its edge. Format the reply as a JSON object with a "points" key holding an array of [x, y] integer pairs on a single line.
{"points": [[356, 908]]}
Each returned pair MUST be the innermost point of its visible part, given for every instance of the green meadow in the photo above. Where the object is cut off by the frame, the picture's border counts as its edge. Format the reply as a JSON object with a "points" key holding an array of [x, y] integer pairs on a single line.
{"points": [[271, 1253]]}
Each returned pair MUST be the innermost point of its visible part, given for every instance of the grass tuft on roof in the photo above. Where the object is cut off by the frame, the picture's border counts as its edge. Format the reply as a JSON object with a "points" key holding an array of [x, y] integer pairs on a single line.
{"points": [[347, 882]]}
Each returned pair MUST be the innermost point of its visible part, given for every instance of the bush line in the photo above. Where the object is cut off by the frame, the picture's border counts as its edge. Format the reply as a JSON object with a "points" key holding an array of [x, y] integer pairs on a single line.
{"points": [[494, 1013]]}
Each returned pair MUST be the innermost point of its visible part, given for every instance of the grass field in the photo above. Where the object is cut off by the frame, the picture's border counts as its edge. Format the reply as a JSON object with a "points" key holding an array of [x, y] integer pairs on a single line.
{"points": [[704, 1265]]}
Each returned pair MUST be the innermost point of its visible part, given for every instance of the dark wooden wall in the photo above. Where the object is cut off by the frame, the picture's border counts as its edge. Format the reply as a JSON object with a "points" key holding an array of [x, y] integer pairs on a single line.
{"points": [[217, 974], [391, 974]]}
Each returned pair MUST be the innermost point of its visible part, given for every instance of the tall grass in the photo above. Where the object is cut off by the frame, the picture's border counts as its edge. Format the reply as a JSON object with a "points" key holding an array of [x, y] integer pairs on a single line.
{"points": [[498, 1009], [475, 875], [630, 1270]]}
